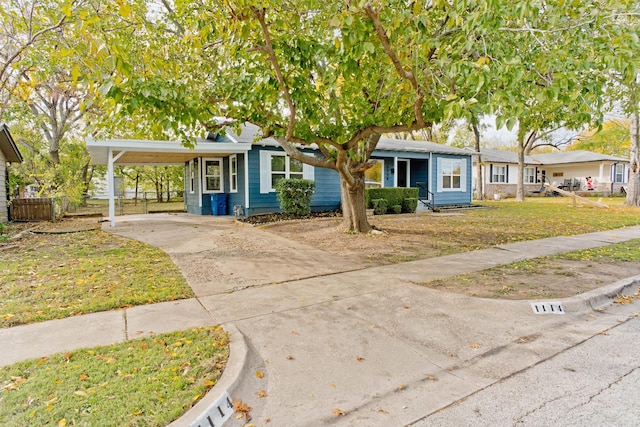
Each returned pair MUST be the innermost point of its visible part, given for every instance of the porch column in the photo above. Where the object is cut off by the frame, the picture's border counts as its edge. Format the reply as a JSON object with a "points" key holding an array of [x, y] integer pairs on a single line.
{"points": [[111, 159], [395, 172]]}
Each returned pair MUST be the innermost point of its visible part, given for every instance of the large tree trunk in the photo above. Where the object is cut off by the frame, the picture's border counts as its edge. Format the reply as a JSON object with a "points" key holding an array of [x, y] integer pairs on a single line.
{"points": [[633, 189], [354, 212]]}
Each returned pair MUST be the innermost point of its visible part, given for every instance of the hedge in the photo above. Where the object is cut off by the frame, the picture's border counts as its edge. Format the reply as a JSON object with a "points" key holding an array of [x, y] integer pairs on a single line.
{"points": [[379, 206], [393, 196], [409, 205]]}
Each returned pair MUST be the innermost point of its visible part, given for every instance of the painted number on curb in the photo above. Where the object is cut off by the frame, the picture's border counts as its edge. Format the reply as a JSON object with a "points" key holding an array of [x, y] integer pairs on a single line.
{"points": [[547, 307], [216, 414]]}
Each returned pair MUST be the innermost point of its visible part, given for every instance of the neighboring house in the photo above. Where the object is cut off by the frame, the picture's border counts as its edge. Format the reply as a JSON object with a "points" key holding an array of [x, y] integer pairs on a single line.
{"points": [[237, 172], [9, 153], [567, 169], [500, 172], [607, 173]]}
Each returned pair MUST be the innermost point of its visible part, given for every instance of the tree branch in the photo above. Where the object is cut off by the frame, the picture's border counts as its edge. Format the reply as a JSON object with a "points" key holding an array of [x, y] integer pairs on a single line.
{"points": [[403, 73], [260, 16]]}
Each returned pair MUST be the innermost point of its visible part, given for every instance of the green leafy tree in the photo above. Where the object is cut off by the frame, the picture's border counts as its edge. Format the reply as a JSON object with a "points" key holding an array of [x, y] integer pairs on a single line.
{"points": [[558, 87], [337, 74], [620, 64], [612, 138], [333, 74]]}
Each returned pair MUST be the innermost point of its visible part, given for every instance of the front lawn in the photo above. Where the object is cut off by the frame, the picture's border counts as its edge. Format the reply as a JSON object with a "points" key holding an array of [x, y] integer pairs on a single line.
{"points": [[51, 276], [143, 382], [409, 237]]}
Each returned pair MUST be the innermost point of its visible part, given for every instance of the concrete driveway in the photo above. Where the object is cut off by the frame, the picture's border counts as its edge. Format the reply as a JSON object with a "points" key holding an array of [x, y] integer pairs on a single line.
{"points": [[367, 346]]}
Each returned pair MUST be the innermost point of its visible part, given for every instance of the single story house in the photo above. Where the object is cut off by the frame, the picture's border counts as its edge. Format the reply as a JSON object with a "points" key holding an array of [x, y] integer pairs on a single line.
{"points": [[593, 171], [9, 153], [235, 174], [572, 170]]}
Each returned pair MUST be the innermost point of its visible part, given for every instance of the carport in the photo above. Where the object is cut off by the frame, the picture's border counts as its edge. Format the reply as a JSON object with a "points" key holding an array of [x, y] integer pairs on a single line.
{"points": [[131, 152]]}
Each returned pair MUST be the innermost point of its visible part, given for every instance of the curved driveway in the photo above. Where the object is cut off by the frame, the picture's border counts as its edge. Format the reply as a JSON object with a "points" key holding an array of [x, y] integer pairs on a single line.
{"points": [[368, 343]]}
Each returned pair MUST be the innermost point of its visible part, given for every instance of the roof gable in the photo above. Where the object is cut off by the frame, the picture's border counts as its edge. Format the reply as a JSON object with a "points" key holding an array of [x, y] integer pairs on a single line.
{"points": [[8, 145]]}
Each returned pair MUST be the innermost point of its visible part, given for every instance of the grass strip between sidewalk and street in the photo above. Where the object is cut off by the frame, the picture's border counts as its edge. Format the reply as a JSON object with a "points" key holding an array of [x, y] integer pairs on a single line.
{"points": [[557, 276], [143, 382]]}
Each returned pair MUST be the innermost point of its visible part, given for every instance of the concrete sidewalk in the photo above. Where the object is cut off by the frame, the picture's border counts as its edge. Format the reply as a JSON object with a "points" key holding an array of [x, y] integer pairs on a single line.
{"points": [[368, 343]]}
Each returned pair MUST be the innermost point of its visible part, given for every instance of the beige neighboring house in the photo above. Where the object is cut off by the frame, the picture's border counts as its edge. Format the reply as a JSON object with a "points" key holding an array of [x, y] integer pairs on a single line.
{"points": [[570, 170], [8, 154]]}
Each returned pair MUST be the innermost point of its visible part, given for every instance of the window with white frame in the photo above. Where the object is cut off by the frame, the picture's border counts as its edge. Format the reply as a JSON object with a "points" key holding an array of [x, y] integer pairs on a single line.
{"points": [[619, 173], [451, 174], [233, 173], [498, 173], [529, 175], [373, 177], [192, 177], [212, 174], [275, 166]]}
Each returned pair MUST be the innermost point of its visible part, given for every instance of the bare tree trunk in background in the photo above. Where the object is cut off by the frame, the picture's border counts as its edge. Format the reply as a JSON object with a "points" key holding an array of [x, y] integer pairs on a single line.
{"points": [[479, 183], [633, 189]]}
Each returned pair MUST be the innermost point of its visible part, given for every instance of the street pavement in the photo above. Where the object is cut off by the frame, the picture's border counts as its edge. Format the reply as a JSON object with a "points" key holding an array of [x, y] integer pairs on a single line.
{"points": [[365, 346]]}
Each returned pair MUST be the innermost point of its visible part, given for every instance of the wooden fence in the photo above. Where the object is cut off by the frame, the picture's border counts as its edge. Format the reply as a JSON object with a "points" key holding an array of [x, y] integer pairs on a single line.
{"points": [[35, 209]]}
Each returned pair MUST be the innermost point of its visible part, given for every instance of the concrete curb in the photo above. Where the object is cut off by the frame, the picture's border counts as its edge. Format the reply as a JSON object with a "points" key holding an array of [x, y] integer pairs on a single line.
{"points": [[601, 297], [229, 381]]}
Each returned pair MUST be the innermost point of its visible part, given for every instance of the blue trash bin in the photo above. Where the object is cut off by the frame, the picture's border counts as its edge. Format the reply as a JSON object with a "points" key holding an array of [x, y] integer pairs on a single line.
{"points": [[219, 204]]}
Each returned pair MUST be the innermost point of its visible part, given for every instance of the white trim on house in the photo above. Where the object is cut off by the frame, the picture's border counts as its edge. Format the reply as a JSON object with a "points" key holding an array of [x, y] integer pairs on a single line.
{"points": [[246, 180], [220, 176], [140, 152], [463, 175], [266, 173], [192, 177], [233, 184]]}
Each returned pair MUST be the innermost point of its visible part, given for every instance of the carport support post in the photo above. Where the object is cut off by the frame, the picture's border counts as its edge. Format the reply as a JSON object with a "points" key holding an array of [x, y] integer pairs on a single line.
{"points": [[111, 181]]}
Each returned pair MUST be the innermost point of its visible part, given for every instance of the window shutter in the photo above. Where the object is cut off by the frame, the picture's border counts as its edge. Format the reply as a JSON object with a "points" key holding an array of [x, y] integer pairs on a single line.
{"points": [[491, 173], [265, 172], [506, 174], [308, 172], [439, 168], [463, 175]]}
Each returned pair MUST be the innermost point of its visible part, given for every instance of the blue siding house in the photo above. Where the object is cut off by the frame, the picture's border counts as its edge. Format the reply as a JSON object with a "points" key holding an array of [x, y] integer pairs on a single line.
{"points": [[441, 173], [235, 174]]}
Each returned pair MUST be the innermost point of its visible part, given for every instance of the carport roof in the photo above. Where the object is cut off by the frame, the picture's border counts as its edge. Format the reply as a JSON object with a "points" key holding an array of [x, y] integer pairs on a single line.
{"points": [[144, 152]]}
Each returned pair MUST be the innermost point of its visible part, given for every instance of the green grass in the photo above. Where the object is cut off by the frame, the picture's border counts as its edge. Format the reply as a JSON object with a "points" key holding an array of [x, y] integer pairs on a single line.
{"points": [[61, 275], [144, 382], [552, 216], [628, 251], [620, 252]]}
